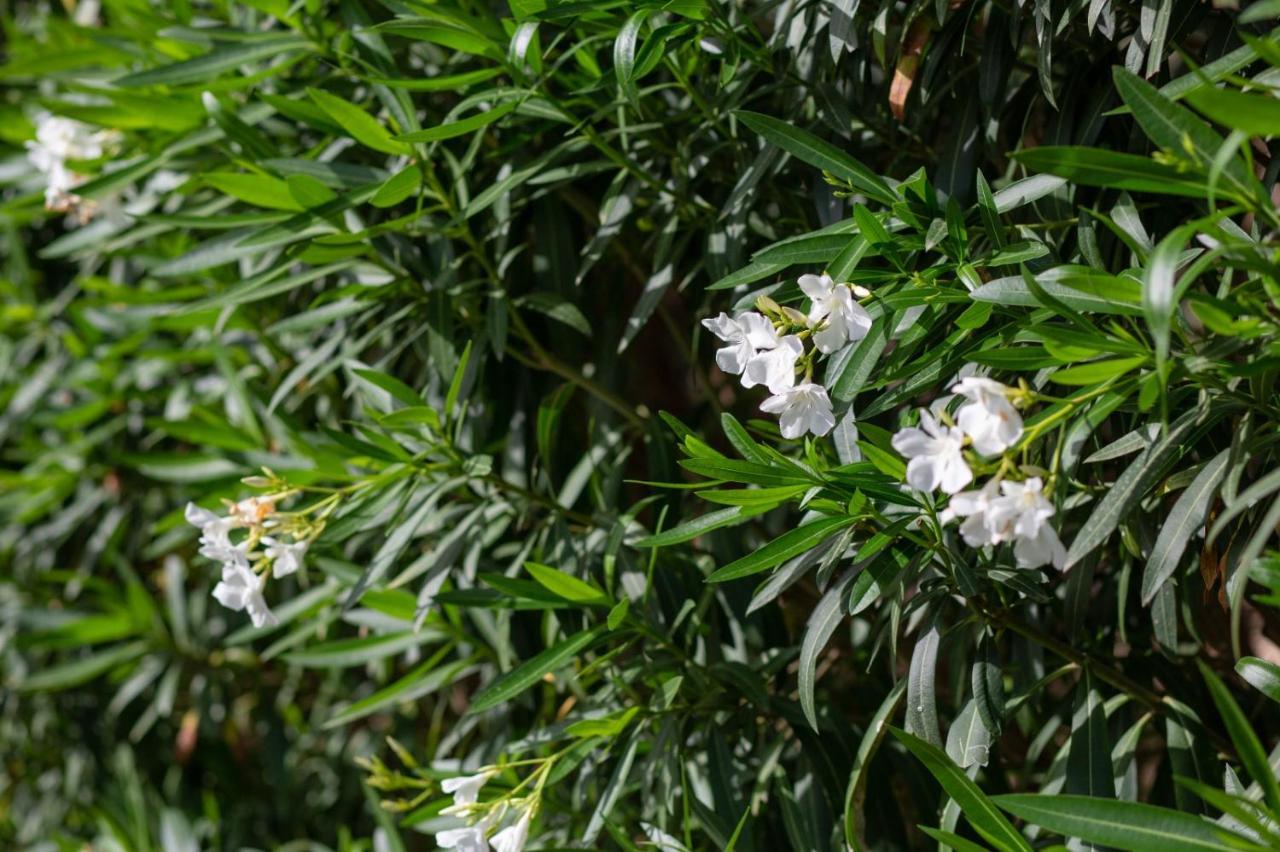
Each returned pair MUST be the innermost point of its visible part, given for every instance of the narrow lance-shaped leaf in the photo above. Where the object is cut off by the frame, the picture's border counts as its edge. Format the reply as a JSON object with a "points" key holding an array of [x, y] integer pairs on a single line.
{"points": [[1122, 825], [1186, 516], [1244, 738], [1124, 494], [814, 151], [922, 699], [782, 548], [854, 825], [826, 617], [1089, 770], [533, 670], [976, 806], [215, 62], [1262, 674]]}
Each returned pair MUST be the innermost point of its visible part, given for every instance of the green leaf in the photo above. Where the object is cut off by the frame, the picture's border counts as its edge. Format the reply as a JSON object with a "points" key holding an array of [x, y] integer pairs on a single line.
{"points": [[1158, 287], [357, 123], [344, 653], [1256, 115], [695, 527], [824, 620], [1123, 825], [1184, 519], [398, 187], [568, 587], [618, 614], [1079, 288], [990, 214], [214, 63], [533, 670], [258, 190], [968, 738], [875, 579], [741, 440], [605, 726], [986, 681], [862, 361], [1089, 770], [1096, 167], [817, 153], [733, 470], [977, 808], [82, 669], [922, 687], [624, 53], [461, 127], [398, 389], [749, 274], [425, 678], [1125, 492], [855, 793], [761, 499], [870, 226], [1176, 129], [1244, 810], [393, 545], [817, 248], [1244, 738], [947, 839], [455, 384], [559, 309], [452, 37], [1096, 372], [1029, 190], [782, 548], [1263, 675], [439, 83]]}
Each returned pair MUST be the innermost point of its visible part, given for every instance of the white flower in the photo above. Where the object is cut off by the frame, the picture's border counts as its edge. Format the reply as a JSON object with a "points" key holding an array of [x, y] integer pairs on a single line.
{"points": [[745, 334], [57, 141], [775, 368], [513, 837], [469, 838], [215, 540], [977, 529], [240, 590], [286, 559], [804, 408], [846, 320], [1021, 514], [989, 419], [935, 453], [465, 788]]}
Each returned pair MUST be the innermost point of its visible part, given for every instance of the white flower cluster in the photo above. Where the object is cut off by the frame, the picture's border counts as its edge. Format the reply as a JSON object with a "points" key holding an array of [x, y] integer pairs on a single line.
{"points": [[769, 349], [59, 142], [475, 836], [244, 568], [1002, 510]]}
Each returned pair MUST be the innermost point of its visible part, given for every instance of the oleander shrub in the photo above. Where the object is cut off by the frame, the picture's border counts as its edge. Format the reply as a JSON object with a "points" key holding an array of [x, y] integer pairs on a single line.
{"points": [[639, 424]]}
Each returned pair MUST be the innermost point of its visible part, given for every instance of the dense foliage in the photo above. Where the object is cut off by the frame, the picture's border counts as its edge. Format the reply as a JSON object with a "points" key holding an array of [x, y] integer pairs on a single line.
{"points": [[676, 424]]}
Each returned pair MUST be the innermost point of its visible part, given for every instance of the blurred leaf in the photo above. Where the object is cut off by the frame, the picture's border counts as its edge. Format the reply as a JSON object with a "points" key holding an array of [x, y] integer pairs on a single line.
{"points": [[531, 671]]}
